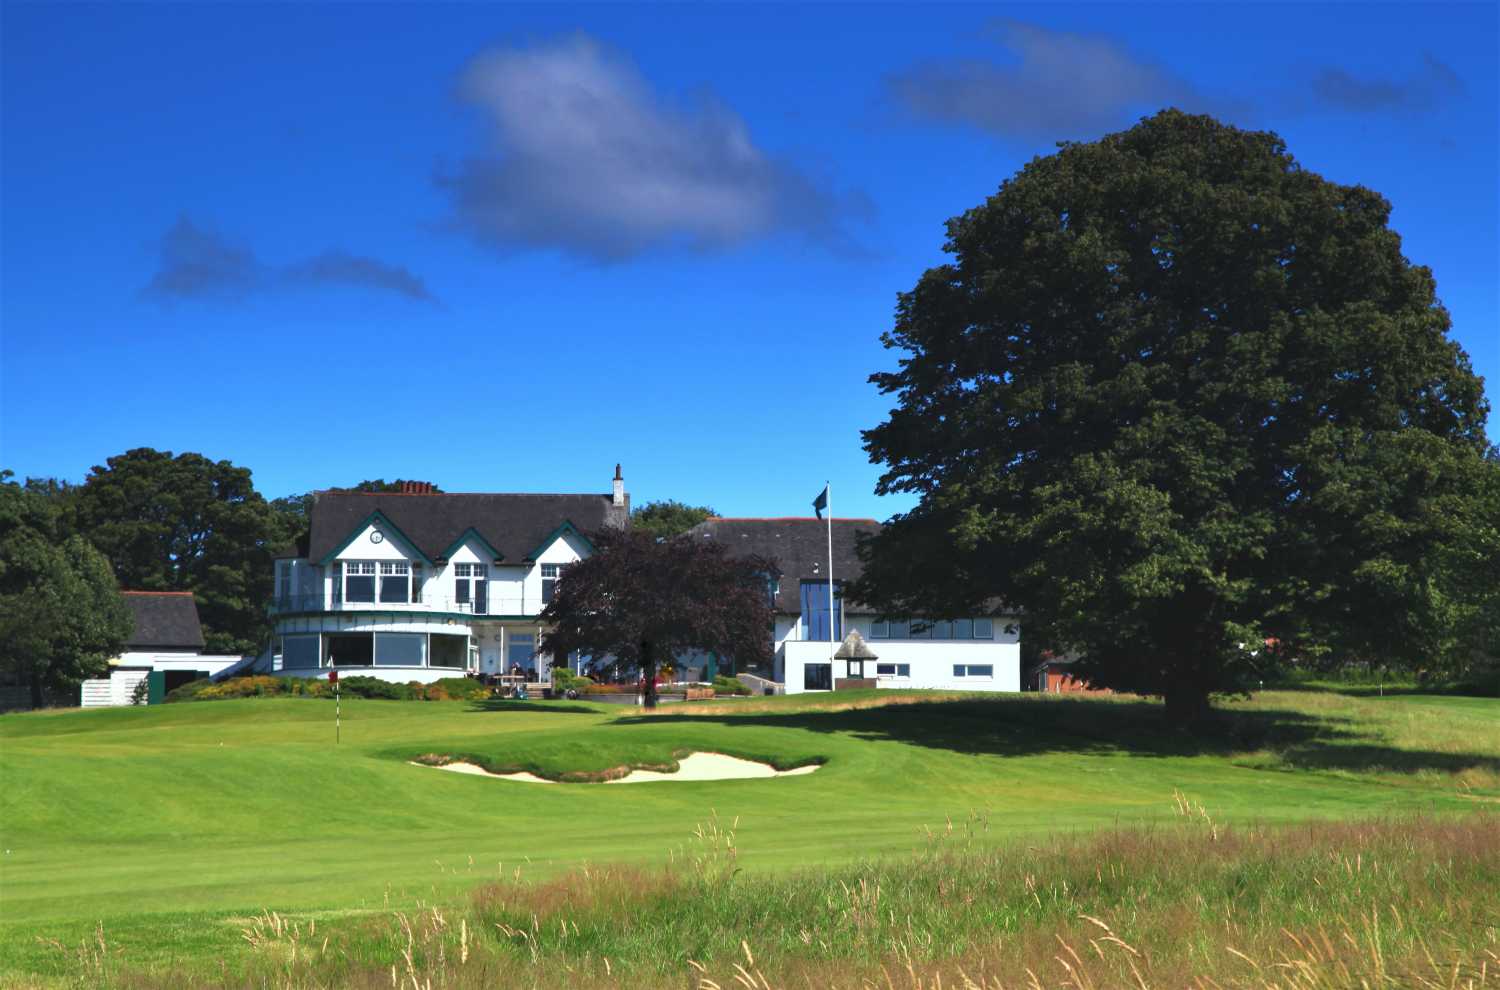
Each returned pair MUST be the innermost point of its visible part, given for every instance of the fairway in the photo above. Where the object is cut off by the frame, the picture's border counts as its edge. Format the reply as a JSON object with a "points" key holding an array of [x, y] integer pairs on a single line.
{"points": [[171, 824]]}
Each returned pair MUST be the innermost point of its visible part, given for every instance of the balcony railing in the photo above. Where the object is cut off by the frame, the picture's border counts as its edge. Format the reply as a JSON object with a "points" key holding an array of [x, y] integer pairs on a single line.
{"points": [[288, 604]]}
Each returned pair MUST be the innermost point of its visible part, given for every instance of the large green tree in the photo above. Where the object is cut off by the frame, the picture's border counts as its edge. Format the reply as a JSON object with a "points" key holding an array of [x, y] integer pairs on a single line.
{"points": [[186, 523], [61, 614], [1175, 395], [668, 517]]}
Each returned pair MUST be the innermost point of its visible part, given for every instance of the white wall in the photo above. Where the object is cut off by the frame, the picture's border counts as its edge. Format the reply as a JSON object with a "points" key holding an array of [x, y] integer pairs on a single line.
{"points": [[396, 675], [931, 663], [212, 663], [111, 692]]}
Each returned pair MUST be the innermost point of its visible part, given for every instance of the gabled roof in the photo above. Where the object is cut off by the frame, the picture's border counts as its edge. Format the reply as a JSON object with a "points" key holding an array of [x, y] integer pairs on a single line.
{"points": [[512, 525], [164, 620], [800, 547], [381, 522]]}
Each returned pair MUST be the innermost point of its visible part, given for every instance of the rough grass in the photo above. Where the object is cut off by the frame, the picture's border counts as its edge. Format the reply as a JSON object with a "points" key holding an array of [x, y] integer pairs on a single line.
{"points": [[1405, 903], [175, 826]]}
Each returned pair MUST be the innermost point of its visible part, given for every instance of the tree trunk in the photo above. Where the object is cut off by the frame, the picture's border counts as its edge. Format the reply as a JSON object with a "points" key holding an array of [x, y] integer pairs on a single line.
{"points": [[36, 689], [648, 671], [1187, 707]]}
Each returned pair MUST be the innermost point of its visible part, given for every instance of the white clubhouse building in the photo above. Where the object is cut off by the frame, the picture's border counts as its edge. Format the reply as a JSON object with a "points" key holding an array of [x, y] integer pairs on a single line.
{"points": [[974, 653], [420, 585]]}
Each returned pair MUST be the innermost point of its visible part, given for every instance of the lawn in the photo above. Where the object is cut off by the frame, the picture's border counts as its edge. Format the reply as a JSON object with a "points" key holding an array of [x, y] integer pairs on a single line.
{"points": [[171, 825]]}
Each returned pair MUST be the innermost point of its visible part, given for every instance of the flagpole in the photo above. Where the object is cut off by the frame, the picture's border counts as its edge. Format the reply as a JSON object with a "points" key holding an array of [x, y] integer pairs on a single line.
{"points": [[828, 490]]}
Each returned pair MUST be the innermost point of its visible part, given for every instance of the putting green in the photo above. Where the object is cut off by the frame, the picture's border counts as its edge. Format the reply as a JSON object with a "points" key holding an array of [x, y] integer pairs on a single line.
{"points": [[157, 819]]}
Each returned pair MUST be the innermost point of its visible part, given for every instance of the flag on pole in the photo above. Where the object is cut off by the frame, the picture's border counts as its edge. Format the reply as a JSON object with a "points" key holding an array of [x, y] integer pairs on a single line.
{"points": [[821, 502]]}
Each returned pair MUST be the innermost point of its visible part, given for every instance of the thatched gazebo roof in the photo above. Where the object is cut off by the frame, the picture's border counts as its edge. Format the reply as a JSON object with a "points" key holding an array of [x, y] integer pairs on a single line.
{"points": [[854, 647]]}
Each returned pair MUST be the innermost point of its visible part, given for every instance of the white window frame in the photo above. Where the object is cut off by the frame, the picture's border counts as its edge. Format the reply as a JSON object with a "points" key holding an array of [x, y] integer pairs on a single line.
{"points": [[393, 569], [360, 568], [467, 576], [554, 577]]}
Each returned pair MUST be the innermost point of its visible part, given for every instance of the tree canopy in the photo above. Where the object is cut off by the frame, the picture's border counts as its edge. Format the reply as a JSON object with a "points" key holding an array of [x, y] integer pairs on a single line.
{"points": [[645, 601], [61, 613], [668, 517], [186, 523], [1177, 397]]}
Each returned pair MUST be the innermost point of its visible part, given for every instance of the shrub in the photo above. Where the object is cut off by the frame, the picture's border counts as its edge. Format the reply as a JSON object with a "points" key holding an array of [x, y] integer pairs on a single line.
{"points": [[729, 685], [374, 687], [563, 679], [188, 691], [259, 685], [455, 689]]}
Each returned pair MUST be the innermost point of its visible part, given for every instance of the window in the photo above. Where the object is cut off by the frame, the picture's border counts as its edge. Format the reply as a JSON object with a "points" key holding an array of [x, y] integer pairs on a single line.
{"points": [[299, 652], [893, 670], [400, 649], [551, 573], [815, 615], [973, 670], [471, 586], [520, 650], [856, 669], [359, 580], [933, 629], [395, 582], [817, 676], [284, 580]]}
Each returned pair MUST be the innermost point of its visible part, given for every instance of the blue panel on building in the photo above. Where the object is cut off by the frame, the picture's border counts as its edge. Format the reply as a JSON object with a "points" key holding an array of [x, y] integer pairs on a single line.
{"points": [[815, 611]]}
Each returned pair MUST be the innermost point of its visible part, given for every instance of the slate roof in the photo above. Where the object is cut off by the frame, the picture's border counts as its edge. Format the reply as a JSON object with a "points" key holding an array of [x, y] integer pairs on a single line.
{"points": [[513, 524], [164, 620], [800, 548]]}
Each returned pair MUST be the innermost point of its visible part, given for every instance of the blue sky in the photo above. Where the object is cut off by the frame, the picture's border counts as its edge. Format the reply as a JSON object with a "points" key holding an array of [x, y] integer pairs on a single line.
{"points": [[503, 247]]}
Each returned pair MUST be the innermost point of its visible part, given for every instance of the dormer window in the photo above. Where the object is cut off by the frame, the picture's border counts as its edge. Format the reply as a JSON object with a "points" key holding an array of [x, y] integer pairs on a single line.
{"points": [[550, 575], [395, 582], [394, 577], [471, 587], [359, 581]]}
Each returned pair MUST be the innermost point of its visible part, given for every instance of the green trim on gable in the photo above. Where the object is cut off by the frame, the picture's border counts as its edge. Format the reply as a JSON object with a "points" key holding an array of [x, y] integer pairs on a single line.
{"points": [[495, 555], [386, 524], [555, 535]]}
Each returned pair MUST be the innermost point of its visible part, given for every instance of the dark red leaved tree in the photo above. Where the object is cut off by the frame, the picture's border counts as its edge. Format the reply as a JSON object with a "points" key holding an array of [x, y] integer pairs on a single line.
{"points": [[644, 601]]}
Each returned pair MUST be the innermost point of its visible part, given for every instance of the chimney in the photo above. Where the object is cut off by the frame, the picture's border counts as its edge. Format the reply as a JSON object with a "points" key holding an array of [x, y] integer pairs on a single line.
{"points": [[619, 489]]}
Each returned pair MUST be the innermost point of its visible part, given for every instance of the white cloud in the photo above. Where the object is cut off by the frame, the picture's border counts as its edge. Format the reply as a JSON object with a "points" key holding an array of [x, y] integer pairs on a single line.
{"points": [[584, 157], [1053, 85]]}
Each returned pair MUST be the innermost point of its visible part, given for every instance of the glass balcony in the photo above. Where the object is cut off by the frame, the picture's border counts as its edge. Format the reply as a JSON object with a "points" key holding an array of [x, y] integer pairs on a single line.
{"points": [[302, 604]]}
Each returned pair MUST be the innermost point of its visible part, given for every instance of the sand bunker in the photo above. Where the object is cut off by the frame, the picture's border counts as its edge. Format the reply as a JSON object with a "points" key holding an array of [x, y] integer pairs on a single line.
{"points": [[711, 766], [695, 766], [479, 771]]}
